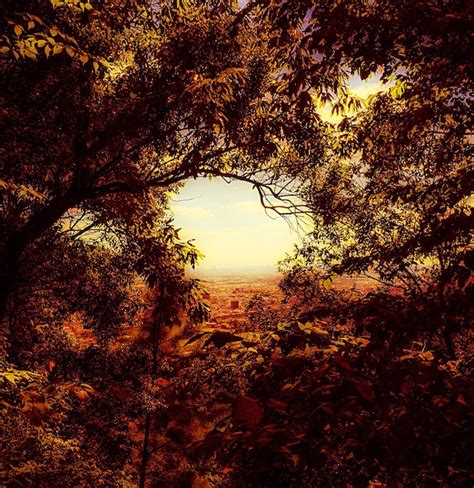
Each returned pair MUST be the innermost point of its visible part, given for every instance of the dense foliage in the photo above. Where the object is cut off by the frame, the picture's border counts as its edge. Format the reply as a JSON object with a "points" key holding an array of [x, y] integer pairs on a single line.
{"points": [[109, 106]]}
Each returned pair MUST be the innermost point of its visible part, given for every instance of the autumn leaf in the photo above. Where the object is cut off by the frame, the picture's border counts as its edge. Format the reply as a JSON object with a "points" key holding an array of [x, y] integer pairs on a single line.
{"points": [[364, 389], [248, 410]]}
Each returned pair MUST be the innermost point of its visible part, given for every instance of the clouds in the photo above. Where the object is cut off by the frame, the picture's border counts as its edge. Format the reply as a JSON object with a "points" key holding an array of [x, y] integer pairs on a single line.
{"points": [[186, 211]]}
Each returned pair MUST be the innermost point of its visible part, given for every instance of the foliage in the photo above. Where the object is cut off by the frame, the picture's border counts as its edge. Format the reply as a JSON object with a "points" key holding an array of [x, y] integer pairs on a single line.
{"points": [[312, 404], [107, 108], [262, 311]]}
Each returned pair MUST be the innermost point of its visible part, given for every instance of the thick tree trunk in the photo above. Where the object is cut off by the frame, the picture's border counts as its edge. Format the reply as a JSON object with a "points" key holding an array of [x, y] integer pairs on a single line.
{"points": [[20, 240], [6, 287]]}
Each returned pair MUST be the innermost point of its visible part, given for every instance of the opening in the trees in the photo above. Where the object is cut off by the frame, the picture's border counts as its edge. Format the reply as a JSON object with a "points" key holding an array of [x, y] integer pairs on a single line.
{"points": [[138, 135], [231, 228]]}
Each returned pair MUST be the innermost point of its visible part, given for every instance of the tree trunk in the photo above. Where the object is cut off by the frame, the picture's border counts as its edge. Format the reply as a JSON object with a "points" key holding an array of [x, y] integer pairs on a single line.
{"points": [[448, 341], [20, 240], [145, 450], [154, 371], [446, 334]]}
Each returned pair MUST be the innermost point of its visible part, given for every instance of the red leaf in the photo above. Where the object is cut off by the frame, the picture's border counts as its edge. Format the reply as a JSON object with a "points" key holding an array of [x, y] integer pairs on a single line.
{"points": [[365, 390], [248, 410]]}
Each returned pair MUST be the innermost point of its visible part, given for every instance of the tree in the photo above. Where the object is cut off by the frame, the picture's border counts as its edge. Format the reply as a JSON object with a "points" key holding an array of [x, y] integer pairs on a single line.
{"points": [[395, 198], [109, 106]]}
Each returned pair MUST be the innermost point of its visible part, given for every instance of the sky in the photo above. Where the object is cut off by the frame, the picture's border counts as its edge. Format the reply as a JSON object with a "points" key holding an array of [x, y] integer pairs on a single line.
{"points": [[228, 223], [230, 226]]}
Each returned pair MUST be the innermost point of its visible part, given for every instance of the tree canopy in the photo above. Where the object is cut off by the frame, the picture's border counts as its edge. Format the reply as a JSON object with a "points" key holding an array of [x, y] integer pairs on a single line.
{"points": [[107, 108]]}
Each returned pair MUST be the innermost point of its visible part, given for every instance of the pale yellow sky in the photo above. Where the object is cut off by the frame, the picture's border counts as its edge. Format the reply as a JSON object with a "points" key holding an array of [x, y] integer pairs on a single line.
{"points": [[228, 223], [230, 226]]}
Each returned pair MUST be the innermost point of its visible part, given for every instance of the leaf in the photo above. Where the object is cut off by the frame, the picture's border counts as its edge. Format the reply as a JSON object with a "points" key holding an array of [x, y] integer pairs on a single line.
{"points": [[162, 382], [319, 331], [327, 283], [18, 29], [58, 48], [365, 390], [10, 377], [248, 410], [41, 406], [277, 404], [343, 363], [461, 400], [439, 401], [82, 394], [427, 355], [305, 327]]}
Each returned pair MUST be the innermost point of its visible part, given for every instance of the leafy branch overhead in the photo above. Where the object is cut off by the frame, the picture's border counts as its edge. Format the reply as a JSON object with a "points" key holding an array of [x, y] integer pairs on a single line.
{"points": [[352, 120]]}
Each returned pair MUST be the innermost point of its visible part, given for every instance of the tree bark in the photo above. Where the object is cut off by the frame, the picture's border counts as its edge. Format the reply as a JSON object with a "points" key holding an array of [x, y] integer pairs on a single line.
{"points": [[145, 450], [20, 240], [448, 341], [154, 371]]}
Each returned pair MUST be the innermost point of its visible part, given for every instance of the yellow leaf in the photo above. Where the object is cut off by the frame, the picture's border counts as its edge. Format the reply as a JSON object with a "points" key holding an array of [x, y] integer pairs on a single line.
{"points": [[32, 48], [58, 49], [53, 31], [30, 54], [47, 51], [449, 119], [327, 283], [70, 51], [41, 43], [31, 24], [96, 65], [84, 58], [18, 29]]}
